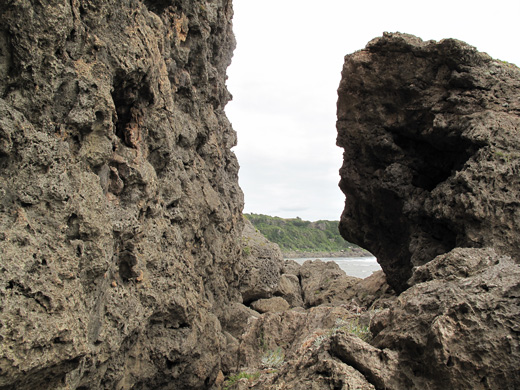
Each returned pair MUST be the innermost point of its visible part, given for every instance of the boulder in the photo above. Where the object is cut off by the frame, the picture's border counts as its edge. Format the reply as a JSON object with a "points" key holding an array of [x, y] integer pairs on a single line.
{"points": [[289, 288], [288, 333], [325, 283], [260, 267], [291, 267], [235, 317], [270, 305], [431, 177], [292, 349]]}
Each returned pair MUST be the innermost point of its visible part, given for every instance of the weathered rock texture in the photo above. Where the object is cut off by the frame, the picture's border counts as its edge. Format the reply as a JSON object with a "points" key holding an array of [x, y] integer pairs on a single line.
{"points": [[431, 166], [457, 328], [120, 211], [432, 153], [291, 350], [260, 270]]}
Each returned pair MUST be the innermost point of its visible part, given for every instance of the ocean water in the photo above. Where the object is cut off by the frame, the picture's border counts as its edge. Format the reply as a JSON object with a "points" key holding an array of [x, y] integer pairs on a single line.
{"points": [[360, 267]]}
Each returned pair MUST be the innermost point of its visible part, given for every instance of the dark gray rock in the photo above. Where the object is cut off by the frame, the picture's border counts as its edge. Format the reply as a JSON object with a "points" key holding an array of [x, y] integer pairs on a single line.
{"points": [[431, 178], [120, 210], [431, 151]]}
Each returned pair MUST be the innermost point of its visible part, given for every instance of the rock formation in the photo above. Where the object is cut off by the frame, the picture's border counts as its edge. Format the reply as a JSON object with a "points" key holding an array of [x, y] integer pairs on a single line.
{"points": [[120, 210], [431, 178], [431, 163], [124, 259], [432, 154]]}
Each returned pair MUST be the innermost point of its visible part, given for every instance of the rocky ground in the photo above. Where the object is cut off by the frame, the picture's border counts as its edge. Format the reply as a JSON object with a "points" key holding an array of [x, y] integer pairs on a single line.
{"points": [[431, 174], [291, 313]]}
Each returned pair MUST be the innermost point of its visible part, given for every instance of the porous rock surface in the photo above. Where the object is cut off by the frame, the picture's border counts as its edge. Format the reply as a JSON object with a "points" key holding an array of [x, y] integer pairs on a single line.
{"points": [[430, 132], [432, 153], [291, 350], [120, 211]]}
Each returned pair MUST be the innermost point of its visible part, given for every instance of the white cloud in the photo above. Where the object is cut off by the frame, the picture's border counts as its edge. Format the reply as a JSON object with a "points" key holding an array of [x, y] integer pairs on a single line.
{"points": [[285, 73]]}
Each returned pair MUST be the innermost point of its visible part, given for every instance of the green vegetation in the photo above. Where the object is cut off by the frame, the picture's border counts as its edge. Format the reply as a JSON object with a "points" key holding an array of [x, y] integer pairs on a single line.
{"points": [[273, 359], [233, 379], [353, 326], [349, 325], [294, 234]]}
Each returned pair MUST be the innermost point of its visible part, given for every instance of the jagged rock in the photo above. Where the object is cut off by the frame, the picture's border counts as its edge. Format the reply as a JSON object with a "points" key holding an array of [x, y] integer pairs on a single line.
{"points": [[292, 350], [261, 266], [235, 317], [380, 367], [454, 333], [120, 210], [291, 267], [270, 305], [292, 331], [372, 292], [315, 370], [432, 154]]}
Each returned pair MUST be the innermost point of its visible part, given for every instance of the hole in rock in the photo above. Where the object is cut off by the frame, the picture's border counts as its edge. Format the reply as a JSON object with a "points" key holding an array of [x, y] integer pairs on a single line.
{"points": [[131, 93], [172, 363], [432, 163], [157, 6], [450, 363], [73, 226], [100, 116], [127, 261]]}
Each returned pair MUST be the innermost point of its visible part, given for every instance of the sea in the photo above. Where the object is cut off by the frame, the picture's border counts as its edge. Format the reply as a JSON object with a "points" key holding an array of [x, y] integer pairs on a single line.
{"points": [[360, 267]]}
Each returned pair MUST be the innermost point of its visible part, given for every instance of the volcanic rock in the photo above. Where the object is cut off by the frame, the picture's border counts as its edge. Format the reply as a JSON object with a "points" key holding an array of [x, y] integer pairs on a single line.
{"points": [[290, 289], [260, 269], [120, 210], [430, 132], [432, 153], [269, 305]]}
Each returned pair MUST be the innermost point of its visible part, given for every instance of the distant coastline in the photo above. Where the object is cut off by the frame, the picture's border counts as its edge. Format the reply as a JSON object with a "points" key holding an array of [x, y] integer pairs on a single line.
{"points": [[299, 239], [351, 252]]}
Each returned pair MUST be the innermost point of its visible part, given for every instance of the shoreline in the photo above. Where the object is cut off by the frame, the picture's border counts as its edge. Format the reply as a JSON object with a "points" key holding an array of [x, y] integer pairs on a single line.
{"points": [[354, 252]]}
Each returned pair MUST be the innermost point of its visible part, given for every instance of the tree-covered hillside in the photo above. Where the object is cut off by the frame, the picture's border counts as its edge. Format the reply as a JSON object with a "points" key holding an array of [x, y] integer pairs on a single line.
{"points": [[297, 235]]}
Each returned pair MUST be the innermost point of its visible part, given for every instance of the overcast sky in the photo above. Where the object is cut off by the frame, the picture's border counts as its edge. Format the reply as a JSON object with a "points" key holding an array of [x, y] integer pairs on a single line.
{"points": [[285, 73]]}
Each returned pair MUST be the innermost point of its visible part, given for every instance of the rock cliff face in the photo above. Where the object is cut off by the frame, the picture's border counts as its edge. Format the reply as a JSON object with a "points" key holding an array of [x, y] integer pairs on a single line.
{"points": [[120, 211], [432, 154]]}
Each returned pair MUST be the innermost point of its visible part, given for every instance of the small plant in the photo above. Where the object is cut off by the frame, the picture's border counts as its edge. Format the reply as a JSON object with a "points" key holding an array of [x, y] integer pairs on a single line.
{"points": [[320, 339], [246, 251], [273, 359], [350, 325], [353, 326], [262, 342], [233, 379]]}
